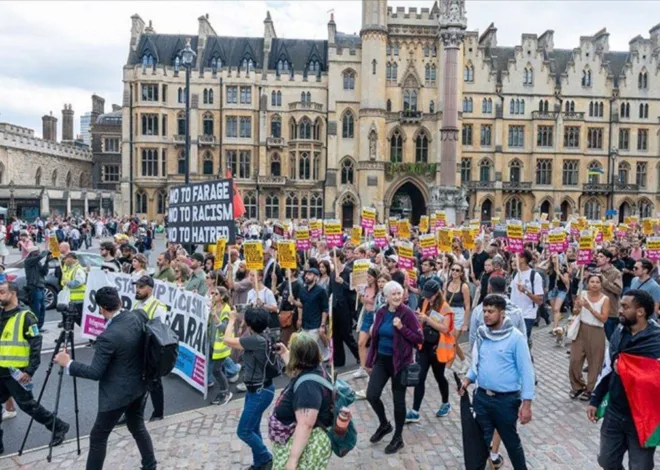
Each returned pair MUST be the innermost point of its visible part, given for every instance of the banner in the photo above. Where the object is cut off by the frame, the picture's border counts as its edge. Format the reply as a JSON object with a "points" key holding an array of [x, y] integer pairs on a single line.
{"points": [[653, 249], [433, 222], [380, 236], [315, 228], [533, 232], [286, 254], [424, 224], [253, 250], [187, 315], [556, 240], [585, 248], [404, 229], [333, 233], [368, 219], [514, 234], [359, 274], [356, 235], [303, 243], [441, 219], [200, 213], [444, 240], [406, 256], [647, 227], [428, 246], [220, 247]]}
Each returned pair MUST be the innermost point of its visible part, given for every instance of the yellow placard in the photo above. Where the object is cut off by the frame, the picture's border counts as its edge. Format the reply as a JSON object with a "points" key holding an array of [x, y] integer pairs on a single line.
{"points": [[405, 250], [315, 225], [587, 240], [444, 240], [426, 241], [556, 237], [219, 253], [302, 234], [404, 229], [434, 218], [608, 232], [254, 255], [356, 235], [380, 231], [514, 231], [494, 221], [360, 273], [468, 238], [653, 243], [544, 216], [286, 254], [647, 226], [533, 228], [332, 227], [424, 224], [54, 246], [556, 223]]}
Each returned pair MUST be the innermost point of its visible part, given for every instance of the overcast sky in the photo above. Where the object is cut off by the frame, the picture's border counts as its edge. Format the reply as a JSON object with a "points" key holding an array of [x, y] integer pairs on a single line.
{"points": [[62, 52]]}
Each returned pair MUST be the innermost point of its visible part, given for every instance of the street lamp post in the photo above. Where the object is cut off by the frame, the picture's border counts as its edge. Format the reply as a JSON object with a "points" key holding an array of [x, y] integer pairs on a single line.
{"points": [[187, 60], [614, 152], [12, 200]]}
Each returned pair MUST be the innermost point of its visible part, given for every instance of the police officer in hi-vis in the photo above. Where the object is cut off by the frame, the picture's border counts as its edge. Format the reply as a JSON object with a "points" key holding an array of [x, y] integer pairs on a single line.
{"points": [[20, 355], [154, 308]]}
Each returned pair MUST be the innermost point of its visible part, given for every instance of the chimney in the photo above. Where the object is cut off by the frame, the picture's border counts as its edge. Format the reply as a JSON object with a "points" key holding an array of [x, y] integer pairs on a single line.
{"points": [[332, 29], [49, 127], [67, 123], [98, 108], [137, 28]]}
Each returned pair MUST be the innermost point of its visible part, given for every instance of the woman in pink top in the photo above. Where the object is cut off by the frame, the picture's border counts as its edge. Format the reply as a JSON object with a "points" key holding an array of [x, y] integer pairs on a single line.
{"points": [[636, 250], [24, 243]]}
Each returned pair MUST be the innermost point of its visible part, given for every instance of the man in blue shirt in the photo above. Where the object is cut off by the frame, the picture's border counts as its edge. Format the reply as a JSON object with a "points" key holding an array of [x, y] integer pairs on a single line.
{"points": [[502, 369], [643, 281]]}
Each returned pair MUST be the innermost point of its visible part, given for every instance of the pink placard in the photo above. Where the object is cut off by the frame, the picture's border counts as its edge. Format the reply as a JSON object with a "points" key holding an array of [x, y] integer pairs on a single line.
{"points": [[584, 257], [516, 245]]}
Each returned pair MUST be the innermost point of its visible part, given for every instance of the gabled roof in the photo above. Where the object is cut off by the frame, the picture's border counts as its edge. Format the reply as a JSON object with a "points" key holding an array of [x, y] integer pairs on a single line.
{"points": [[164, 47], [299, 52], [214, 48]]}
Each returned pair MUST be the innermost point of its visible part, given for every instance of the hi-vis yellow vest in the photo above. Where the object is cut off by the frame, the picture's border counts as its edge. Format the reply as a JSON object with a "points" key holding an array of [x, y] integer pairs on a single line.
{"points": [[220, 349], [151, 305], [14, 348], [68, 275]]}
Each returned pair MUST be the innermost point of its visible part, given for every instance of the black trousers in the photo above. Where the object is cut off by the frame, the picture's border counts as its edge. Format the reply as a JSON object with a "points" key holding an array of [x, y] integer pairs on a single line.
{"points": [[103, 426], [383, 371], [158, 397], [427, 359], [26, 402], [342, 333]]}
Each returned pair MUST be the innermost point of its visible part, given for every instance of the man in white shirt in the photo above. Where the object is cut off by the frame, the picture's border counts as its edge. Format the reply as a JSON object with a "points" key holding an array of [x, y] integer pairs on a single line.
{"points": [[527, 290], [265, 297]]}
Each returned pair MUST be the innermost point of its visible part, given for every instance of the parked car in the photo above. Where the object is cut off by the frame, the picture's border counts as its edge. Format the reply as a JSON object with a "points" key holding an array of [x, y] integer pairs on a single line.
{"points": [[16, 272]]}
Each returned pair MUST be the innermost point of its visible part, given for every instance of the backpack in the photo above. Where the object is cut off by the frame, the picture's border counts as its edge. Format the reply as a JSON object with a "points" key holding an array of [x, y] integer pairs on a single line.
{"points": [[161, 350], [342, 397], [274, 362]]}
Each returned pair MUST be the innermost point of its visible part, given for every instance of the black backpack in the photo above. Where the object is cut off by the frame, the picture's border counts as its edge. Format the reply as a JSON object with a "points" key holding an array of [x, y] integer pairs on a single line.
{"points": [[274, 363], [161, 350]]}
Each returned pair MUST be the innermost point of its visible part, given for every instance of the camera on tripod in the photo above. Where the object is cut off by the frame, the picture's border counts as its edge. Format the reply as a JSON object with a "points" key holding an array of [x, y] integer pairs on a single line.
{"points": [[70, 315]]}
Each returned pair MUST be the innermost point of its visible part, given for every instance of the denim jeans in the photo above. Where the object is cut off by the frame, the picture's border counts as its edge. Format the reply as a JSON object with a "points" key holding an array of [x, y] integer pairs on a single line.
{"points": [[500, 413], [618, 435], [249, 424], [610, 326], [231, 368], [37, 304]]}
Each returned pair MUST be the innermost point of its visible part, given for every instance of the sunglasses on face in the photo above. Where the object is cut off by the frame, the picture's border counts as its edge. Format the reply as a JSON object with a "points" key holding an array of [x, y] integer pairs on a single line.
{"points": [[456, 270]]}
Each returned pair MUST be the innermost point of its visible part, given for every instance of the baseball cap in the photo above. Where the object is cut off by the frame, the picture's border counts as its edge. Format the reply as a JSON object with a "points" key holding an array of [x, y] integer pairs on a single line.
{"points": [[394, 258], [430, 288], [144, 281], [313, 271]]}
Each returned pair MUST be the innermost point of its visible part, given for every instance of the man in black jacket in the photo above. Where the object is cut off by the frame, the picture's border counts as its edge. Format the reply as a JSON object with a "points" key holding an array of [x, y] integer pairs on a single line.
{"points": [[118, 366], [36, 270], [638, 336], [15, 355]]}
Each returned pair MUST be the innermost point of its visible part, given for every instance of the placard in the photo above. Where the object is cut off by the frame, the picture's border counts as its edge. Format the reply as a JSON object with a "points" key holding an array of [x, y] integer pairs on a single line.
{"points": [[647, 227], [356, 235], [220, 247], [332, 230], [200, 213], [433, 222], [532, 232], [286, 254], [404, 229], [380, 236], [585, 248], [187, 315], [514, 234], [302, 239], [54, 246], [441, 219], [253, 250], [360, 273], [424, 224], [368, 219], [653, 249], [428, 246], [556, 240], [468, 238], [412, 278], [444, 240], [406, 256], [393, 224], [315, 228]]}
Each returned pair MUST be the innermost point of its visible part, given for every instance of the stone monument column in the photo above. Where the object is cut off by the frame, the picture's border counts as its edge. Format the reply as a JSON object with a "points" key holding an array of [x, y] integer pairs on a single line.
{"points": [[451, 29]]}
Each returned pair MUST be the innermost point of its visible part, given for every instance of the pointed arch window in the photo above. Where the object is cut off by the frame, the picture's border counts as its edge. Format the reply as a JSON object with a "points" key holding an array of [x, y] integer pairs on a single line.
{"points": [[410, 100], [68, 181], [347, 171], [276, 126], [484, 170], [53, 178], [595, 170], [543, 106], [466, 170], [422, 148], [291, 206], [646, 209], [592, 209], [468, 73], [148, 62], [292, 166], [141, 202], [347, 131], [487, 106], [640, 174], [427, 50], [316, 206], [303, 207], [293, 129], [391, 72], [180, 95], [570, 107], [272, 206], [304, 164], [625, 110], [513, 208], [544, 171], [316, 130], [643, 110], [528, 76], [161, 198], [624, 173], [396, 147], [643, 80], [395, 49], [216, 63], [305, 129], [250, 203], [37, 178], [248, 64], [430, 74], [432, 107], [349, 80], [276, 164], [388, 106], [207, 164], [467, 105], [181, 163], [515, 171], [207, 124]]}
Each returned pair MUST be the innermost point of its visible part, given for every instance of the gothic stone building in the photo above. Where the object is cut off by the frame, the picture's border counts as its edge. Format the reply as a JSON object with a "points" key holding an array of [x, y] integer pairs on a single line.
{"points": [[323, 128]]}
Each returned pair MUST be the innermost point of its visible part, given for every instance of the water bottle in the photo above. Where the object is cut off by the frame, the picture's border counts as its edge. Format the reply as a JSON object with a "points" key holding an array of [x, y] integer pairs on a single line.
{"points": [[343, 420], [15, 373]]}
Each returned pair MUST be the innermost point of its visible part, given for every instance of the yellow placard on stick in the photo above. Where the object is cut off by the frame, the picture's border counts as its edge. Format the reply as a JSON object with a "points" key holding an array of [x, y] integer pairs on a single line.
{"points": [[54, 246], [424, 224], [286, 254], [404, 229], [468, 239], [356, 235], [254, 254], [360, 273], [219, 253], [444, 240]]}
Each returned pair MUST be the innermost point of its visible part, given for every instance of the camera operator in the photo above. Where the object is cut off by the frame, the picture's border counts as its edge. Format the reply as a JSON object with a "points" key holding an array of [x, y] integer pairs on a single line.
{"points": [[36, 270], [20, 348], [74, 278], [117, 365]]}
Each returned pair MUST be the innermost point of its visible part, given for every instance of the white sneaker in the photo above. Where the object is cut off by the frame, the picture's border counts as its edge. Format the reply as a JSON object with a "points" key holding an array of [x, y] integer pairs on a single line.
{"points": [[360, 394], [8, 414], [241, 387], [360, 373]]}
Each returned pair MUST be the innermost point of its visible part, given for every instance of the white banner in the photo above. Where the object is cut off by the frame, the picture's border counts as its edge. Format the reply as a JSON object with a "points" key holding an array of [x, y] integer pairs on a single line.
{"points": [[187, 315]]}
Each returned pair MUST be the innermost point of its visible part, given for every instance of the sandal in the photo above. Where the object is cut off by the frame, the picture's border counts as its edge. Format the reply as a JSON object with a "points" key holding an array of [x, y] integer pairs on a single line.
{"points": [[586, 396], [573, 394]]}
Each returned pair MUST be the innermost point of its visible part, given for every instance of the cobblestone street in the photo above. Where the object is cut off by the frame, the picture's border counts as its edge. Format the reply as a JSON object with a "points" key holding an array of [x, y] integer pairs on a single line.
{"points": [[559, 436]]}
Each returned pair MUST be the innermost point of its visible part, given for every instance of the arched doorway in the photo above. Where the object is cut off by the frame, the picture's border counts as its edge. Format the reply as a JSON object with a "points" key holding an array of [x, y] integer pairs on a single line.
{"points": [[408, 203], [348, 205], [487, 210], [624, 211], [546, 208], [565, 210]]}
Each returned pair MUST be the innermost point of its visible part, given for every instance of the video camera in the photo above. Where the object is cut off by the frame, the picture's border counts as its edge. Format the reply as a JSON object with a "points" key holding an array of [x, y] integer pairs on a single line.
{"points": [[70, 314]]}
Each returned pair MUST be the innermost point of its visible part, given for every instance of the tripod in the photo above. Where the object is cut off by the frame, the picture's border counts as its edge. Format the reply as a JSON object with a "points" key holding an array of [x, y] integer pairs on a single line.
{"points": [[65, 339]]}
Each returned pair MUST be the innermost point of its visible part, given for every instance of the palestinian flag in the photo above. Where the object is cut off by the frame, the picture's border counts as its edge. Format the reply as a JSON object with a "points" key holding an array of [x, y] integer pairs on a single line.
{"points": [[239, 207], [640, 376]]}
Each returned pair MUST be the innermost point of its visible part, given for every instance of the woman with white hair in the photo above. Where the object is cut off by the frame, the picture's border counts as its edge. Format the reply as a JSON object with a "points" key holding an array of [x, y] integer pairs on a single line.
{"points": [[394, 335]]}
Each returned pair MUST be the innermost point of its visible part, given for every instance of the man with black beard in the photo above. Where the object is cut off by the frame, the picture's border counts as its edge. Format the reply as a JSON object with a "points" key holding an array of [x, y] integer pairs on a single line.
{"points": [[340, 286], [240, 284], [313, 300]]}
